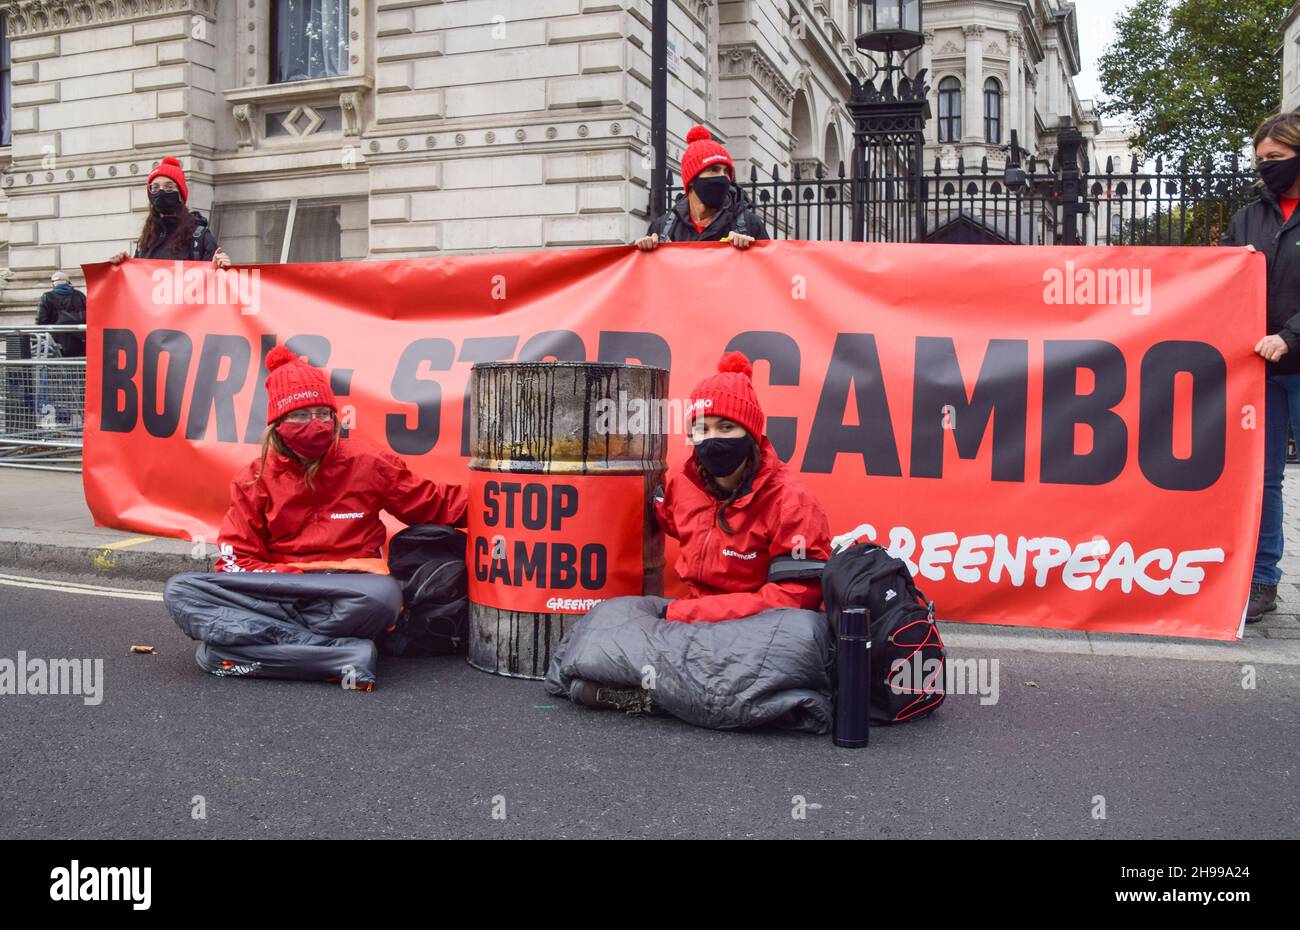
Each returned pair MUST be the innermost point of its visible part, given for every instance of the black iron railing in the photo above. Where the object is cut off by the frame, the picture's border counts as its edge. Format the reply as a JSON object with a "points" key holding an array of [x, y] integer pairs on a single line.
{"points": [[1115, 205]]}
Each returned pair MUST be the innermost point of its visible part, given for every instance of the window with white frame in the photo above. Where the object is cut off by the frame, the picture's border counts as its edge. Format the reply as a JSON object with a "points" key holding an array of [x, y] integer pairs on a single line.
{"points": [[992, 112], [950, 110], [297, 230], [309, 39]]}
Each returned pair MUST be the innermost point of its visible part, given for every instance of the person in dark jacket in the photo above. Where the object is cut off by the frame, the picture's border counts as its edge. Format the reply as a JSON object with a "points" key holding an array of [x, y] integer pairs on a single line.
{"points": [[171, 230], [713, 208], [1272, 225], [64, 305]]}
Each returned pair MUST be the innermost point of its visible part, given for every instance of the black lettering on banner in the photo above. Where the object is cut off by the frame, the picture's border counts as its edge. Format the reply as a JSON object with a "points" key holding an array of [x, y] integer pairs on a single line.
{"points": [[534, 506], [1064, 407], [564, 565], [781, 353], [646, 348], [491, 512], [257, 407], [854, 367], [317, 351], [481, 551], [530, 569], [1209, 371], [119, 400], [510, 489], [1002, 386], [498, 572], [481, 349], [178, 348], [559, 344], [210, 392], [426, 394], [593, 566], [565, 504]]}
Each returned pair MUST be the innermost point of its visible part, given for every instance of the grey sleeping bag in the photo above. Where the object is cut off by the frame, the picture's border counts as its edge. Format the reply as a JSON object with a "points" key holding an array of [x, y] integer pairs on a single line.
{"points": [[772, 668]]}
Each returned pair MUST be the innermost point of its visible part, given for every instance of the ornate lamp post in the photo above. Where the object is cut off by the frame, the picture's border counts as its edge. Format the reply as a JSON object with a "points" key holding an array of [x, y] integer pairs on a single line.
{"points": [[889, 122]]}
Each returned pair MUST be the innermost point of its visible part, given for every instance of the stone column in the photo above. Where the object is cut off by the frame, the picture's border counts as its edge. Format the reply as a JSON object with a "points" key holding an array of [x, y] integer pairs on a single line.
{"points": [[1015, 88], [927, 62], [973, 116]]}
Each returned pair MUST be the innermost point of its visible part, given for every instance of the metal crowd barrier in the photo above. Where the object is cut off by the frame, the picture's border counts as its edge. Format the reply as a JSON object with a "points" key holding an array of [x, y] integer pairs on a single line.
{"points": [[42, 400]]}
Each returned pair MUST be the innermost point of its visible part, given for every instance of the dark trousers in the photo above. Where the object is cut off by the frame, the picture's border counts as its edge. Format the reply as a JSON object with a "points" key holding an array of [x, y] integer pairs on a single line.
{"points": [[318, 626]]}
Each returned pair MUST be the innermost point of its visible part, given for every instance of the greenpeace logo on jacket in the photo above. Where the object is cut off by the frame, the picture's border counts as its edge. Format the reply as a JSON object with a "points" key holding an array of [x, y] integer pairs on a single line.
{"points": [[727, 575], [277, 519]]}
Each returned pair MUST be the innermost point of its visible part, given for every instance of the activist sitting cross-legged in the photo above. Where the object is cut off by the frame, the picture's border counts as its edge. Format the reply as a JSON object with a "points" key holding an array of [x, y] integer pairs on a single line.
{"points": [[300, 588], [171, 230], [747, 646], [712, 208], [1272, 225]]}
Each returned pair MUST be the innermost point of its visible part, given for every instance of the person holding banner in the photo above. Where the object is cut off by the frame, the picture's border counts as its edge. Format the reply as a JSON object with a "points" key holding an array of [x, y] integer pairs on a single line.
{"points": [[300, 588], [1272, 225], [713, 208], [171, 231]]}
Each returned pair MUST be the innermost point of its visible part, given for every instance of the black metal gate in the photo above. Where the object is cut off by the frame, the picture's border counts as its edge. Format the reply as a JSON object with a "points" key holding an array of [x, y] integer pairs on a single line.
{"points": [[890, 195]]}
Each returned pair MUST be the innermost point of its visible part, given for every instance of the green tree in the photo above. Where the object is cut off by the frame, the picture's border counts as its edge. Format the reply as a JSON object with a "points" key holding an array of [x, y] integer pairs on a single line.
{"points": [[1195, 76]]}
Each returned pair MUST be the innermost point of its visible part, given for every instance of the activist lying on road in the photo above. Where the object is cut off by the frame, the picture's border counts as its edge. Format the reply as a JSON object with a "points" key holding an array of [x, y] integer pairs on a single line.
{"points": [[748, 528], [171, 230], [1272, 225], [300, 586], [713, 208]]}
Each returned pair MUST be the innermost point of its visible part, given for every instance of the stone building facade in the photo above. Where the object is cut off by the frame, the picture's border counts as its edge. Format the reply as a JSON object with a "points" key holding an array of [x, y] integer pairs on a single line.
{"points": [[353, 129], [1291, 59]]}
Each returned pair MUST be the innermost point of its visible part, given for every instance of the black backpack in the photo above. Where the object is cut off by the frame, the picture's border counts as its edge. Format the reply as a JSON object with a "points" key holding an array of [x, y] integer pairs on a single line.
{"points": [[428, 561], [902, 631]]}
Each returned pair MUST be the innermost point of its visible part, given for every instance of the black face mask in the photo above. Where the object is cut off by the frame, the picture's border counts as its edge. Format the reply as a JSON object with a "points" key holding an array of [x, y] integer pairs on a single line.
{"points": [[165, 201], [712, 191], [1280, 174], [721, 457]]}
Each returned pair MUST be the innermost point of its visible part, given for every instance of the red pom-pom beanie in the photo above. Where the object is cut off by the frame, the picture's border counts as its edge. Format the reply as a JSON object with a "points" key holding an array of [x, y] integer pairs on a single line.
{"points": [[701, 152], [171, 168], [730, 393], [293, 384]]}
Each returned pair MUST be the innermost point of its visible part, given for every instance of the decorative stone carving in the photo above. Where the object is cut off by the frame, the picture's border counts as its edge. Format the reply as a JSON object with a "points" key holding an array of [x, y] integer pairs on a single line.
{"points": [[749, 60], [973, 31], [33, 17], [243, 115], [350, 104]]}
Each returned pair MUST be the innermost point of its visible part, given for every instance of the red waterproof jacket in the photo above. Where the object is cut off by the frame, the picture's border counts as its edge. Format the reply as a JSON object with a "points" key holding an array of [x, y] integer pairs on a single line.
{"points": [[728, 575], [277, 519]]}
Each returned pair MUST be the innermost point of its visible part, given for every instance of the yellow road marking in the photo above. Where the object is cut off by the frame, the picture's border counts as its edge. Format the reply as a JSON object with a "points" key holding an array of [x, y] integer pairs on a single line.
{"points": [[132, 541]]}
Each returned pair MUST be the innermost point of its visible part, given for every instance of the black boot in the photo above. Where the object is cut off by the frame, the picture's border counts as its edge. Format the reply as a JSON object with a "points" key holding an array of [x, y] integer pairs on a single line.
{"points": [[632, 701], [1263, 599]]}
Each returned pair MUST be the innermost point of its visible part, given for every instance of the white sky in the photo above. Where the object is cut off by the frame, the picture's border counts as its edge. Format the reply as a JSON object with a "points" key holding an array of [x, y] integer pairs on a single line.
{"points": [[1096, 31]]}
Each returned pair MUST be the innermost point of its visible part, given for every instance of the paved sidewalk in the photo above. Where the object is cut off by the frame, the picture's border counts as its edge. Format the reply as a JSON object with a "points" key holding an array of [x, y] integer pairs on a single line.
{"points": [[45, 527]]}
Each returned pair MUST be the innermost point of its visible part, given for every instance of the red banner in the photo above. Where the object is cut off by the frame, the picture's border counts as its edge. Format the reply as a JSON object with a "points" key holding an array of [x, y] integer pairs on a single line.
{"points": [[1051, 437], [543, 543]]}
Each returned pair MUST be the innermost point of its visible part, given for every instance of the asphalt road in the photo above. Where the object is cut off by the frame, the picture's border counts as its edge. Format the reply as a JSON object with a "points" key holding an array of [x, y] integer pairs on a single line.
{"points": [[1176, 749]]}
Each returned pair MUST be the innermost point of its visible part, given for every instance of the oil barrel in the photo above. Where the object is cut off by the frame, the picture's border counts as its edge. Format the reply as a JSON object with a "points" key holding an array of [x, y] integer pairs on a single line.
{"points": [[565, 461]]}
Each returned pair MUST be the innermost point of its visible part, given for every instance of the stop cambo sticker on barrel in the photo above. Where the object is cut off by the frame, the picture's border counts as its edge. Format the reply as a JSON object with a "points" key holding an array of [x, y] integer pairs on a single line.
{"points": [[554, 543]]}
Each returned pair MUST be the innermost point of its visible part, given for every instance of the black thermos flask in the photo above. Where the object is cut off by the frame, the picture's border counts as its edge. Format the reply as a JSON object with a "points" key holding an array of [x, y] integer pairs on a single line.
{"points": [[853, 691]]}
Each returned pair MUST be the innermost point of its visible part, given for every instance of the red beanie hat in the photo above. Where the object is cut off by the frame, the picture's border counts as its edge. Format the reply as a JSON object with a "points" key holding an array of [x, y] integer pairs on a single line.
{"points": [[293, 384], [170, 168], [702, 152], [729, 393]]}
